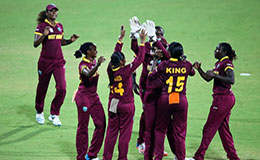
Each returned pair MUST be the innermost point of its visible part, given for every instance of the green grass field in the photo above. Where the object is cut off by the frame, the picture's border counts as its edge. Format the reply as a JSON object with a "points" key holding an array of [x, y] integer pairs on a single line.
{"points": [[199, 25]]}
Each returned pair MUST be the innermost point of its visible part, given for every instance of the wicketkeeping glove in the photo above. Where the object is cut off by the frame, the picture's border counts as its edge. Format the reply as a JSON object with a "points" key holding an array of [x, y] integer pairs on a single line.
{"points": [[135, 27], [150, 28]]}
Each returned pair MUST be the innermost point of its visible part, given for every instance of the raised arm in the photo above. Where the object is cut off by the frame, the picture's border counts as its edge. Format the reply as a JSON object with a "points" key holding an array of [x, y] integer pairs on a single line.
{"points": [[119, 43], [141, 53], [164, 51]]}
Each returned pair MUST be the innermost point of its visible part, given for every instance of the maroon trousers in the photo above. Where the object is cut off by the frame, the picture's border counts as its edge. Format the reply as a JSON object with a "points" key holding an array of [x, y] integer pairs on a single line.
{"points": [[119, 123], [218, 120], [89, 105], [141, 132], [178, 112], [46, 69]]}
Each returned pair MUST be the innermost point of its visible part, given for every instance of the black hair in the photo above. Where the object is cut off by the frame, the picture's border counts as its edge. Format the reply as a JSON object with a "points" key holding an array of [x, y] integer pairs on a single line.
{"points": [[83, 49], [229, 51], [114, 63], [176, 50], [41, 17], [159, 28]]}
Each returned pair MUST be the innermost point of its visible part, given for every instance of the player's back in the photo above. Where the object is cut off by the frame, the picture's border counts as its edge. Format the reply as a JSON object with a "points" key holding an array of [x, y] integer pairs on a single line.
{"points": [[174, 74]]}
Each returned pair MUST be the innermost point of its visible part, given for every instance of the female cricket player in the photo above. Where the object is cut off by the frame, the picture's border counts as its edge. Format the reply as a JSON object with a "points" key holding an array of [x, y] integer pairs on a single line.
{"points": [[88, 103], [49, 33], [156, 43], [121, 99], [172, 103], [223, 101]]}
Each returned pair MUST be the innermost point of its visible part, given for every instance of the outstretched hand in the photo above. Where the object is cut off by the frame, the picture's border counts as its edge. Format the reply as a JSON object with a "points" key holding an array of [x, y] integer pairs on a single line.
{"points": [[196, 65], [122, 33], [101, 59], [74, 37], [143, 35]]}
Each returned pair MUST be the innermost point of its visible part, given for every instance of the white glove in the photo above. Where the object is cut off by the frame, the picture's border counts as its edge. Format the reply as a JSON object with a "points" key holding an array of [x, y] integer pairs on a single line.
{"points": [[150, 28], [135, 27]]}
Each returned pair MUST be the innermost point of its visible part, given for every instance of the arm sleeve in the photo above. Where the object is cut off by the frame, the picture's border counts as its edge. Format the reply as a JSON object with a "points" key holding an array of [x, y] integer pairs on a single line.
{"points": [[228, 65], [118, 46], [134, 46], [192, 71], [160, 46], [138, 60], [39, 30]]}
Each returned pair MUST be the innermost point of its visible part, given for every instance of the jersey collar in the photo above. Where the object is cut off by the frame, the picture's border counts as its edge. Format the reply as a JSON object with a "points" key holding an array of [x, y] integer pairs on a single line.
{"points": [[174, 59], [222, 59], [86, 60], [47, 21], [115, 69]]}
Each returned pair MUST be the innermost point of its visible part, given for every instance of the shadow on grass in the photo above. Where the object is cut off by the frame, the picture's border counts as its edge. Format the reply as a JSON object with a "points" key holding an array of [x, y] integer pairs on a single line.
{"points": [[17, 131], [67, 148]]}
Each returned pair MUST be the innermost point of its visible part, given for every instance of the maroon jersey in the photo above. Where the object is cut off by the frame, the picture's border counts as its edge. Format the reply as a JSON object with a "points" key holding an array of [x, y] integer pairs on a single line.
{"points": [[173, 74], [88, 84], [123, 85], [148, 60], [220, 87], [51, 45]]}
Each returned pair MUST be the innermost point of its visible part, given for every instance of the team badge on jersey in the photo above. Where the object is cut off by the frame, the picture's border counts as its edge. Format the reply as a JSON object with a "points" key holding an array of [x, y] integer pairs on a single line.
{"points": [[40, 72], [85, 109], [59, 29], [217, 65]]}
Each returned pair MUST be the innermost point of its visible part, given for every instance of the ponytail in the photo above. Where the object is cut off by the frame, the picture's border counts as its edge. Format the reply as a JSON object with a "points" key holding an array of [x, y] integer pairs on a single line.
{"points": [[78, 53], [229, 51], [83, 49], [41, 17]]}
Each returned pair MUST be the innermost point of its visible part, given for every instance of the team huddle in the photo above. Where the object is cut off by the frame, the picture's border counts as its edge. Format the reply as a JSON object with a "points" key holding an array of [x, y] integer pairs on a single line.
{"points": [[162, 89]]}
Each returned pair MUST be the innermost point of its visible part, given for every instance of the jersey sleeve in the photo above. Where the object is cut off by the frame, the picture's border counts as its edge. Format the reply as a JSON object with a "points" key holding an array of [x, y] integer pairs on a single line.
{"points": [[138, 60], [39, 29], [228, 65], [134, 46], [84, 66], [160, 46], [192, 71], [118, 47]]}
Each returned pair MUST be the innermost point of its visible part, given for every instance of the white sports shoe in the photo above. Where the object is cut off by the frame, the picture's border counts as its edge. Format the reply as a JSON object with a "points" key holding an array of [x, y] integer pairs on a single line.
{"points": [[141, 148], [55, 120], [40, 118], [95, 159]]}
